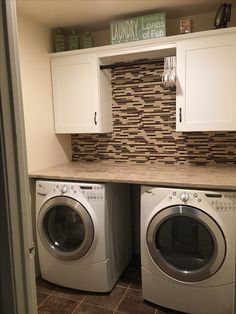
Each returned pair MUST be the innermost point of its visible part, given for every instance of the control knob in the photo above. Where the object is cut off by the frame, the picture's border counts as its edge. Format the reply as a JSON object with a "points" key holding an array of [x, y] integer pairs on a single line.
{"points": [[184, 197], [64, 189]]}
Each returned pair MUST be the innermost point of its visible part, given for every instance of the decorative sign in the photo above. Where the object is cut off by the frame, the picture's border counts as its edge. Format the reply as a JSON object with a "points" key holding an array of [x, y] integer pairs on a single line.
{"points": [[138, 28]]}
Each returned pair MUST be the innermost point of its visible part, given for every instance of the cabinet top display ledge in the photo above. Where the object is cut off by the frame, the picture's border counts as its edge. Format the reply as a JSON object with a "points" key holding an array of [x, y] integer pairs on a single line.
{"points": [[162, 43]]}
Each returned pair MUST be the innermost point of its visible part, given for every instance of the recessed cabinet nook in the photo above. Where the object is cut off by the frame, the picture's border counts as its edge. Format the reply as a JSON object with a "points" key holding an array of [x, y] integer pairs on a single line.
{"points": [[205, 87]]}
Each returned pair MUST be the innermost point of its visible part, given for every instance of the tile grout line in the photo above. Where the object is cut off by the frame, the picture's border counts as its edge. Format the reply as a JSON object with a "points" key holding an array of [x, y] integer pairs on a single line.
{"points": [[67, 297], [129, 288], [99, 306], [135, 289], [120, 300], [77, 307], [123, 296], [49, 295], [125, 292]]}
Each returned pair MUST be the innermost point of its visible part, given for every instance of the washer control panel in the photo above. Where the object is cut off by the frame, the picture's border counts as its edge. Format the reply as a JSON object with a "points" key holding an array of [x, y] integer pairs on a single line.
{"points": [[89, 191], [225, 201], [185, 196], [93, 192]]}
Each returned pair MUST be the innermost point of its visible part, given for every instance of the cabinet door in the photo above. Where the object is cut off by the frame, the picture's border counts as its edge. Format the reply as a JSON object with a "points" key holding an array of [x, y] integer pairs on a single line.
{"points": [[75, 93], [206, 86]]}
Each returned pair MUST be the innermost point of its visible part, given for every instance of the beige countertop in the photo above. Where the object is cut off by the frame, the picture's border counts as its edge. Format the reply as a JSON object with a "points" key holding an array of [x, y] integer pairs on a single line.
{"points": [[201, 177]]}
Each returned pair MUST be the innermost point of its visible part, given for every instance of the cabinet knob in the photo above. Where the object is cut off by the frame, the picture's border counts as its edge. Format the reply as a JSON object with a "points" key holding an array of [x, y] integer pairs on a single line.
{"points": [[180, 114], [95, 118]]}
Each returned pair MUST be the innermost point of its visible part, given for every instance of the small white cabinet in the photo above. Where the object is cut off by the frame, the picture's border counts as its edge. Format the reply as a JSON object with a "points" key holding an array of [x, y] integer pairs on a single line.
{"points": [[206, 83], [81, 94]]}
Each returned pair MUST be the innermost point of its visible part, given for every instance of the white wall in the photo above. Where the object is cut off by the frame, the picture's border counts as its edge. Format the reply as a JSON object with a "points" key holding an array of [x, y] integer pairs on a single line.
{"points": [[44, 148]]}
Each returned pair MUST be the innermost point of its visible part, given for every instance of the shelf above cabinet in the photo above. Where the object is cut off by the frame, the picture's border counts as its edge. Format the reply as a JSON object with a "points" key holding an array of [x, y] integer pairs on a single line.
{"points": [[131, 50]]}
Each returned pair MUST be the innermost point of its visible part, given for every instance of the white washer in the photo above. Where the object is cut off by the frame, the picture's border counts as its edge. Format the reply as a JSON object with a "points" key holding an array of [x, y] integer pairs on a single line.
{"points": [[188, 249], [83, 233]]}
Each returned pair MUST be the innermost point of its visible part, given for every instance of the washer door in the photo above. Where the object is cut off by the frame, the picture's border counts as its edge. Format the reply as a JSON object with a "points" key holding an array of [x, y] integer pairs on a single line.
{"points": [[185, 243], [65, 228]]}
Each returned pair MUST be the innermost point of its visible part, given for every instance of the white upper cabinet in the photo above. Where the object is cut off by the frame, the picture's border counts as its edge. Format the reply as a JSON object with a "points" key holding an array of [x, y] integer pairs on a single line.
{"points": [[206, 86], [81, 94], [206, 82]]}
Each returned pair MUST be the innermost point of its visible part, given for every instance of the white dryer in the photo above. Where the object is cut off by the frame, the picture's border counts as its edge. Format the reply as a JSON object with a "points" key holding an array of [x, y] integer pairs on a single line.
{"points": [[83, 233], [188, 249]]}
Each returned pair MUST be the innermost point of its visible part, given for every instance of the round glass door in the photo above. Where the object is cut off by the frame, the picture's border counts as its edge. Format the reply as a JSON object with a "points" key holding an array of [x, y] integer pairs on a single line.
{"points": [[65, 228], [185, 243]]}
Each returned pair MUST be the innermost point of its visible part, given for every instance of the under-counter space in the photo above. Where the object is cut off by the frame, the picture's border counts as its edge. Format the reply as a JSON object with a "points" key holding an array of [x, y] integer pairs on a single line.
{"points": [[200, 177]]}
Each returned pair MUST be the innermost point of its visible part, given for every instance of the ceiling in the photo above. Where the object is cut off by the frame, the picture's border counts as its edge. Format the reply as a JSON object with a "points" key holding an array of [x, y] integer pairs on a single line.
{"points": [[95, 15]]}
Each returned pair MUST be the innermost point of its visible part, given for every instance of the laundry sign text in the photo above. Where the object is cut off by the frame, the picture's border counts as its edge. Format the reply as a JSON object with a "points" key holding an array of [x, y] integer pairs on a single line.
{"points": [[138, 28]]}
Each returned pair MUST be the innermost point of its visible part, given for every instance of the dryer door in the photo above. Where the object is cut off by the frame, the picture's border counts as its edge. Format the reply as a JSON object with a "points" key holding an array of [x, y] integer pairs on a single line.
{"points": [[65, 228], [186, 243]]}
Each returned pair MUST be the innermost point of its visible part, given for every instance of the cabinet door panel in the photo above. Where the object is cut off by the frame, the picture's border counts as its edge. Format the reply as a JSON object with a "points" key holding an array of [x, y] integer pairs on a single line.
{"points": [[206, 92], [74, 90]]}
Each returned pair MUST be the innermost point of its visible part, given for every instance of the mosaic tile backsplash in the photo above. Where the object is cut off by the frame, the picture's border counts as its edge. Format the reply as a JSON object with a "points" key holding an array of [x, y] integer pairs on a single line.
{"points": [[144, 126]]}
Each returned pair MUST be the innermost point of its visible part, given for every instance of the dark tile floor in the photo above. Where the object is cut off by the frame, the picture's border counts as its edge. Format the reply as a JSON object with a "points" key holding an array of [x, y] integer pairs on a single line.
{"points": [[126, 297]]}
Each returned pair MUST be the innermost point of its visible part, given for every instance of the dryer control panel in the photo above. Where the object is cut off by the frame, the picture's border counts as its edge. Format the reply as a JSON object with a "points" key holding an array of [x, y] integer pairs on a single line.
{"points": [[225, 201]]}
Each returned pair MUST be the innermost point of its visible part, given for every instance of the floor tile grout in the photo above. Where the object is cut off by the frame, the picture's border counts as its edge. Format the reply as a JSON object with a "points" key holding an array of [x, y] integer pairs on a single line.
{"points": [[50, 294], [123, 297], [62, 297], [67, 297], [120, 286], [76, 307], [95, 305], [135, 289]]}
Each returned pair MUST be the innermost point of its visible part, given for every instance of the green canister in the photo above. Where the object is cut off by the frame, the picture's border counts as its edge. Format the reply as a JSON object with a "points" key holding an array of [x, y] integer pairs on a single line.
{"points": [[73, 40], [87, 41], [59, 40]]}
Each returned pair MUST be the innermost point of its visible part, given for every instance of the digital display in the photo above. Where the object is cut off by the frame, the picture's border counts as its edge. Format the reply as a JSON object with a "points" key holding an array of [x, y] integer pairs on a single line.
{"points": [[214, 195], [86, 187]]}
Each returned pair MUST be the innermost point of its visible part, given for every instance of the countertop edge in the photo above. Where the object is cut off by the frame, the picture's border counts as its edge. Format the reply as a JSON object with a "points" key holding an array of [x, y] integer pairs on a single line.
{"points": [[215, 177]]}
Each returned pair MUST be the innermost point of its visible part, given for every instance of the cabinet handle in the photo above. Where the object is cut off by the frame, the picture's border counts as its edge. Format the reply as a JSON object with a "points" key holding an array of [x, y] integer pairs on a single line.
{"points": [[180, 114], [95, 118]]}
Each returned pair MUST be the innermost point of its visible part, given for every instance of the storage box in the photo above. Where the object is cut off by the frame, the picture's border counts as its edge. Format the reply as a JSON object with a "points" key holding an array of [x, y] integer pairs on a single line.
{"points": [[138, 28]]}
